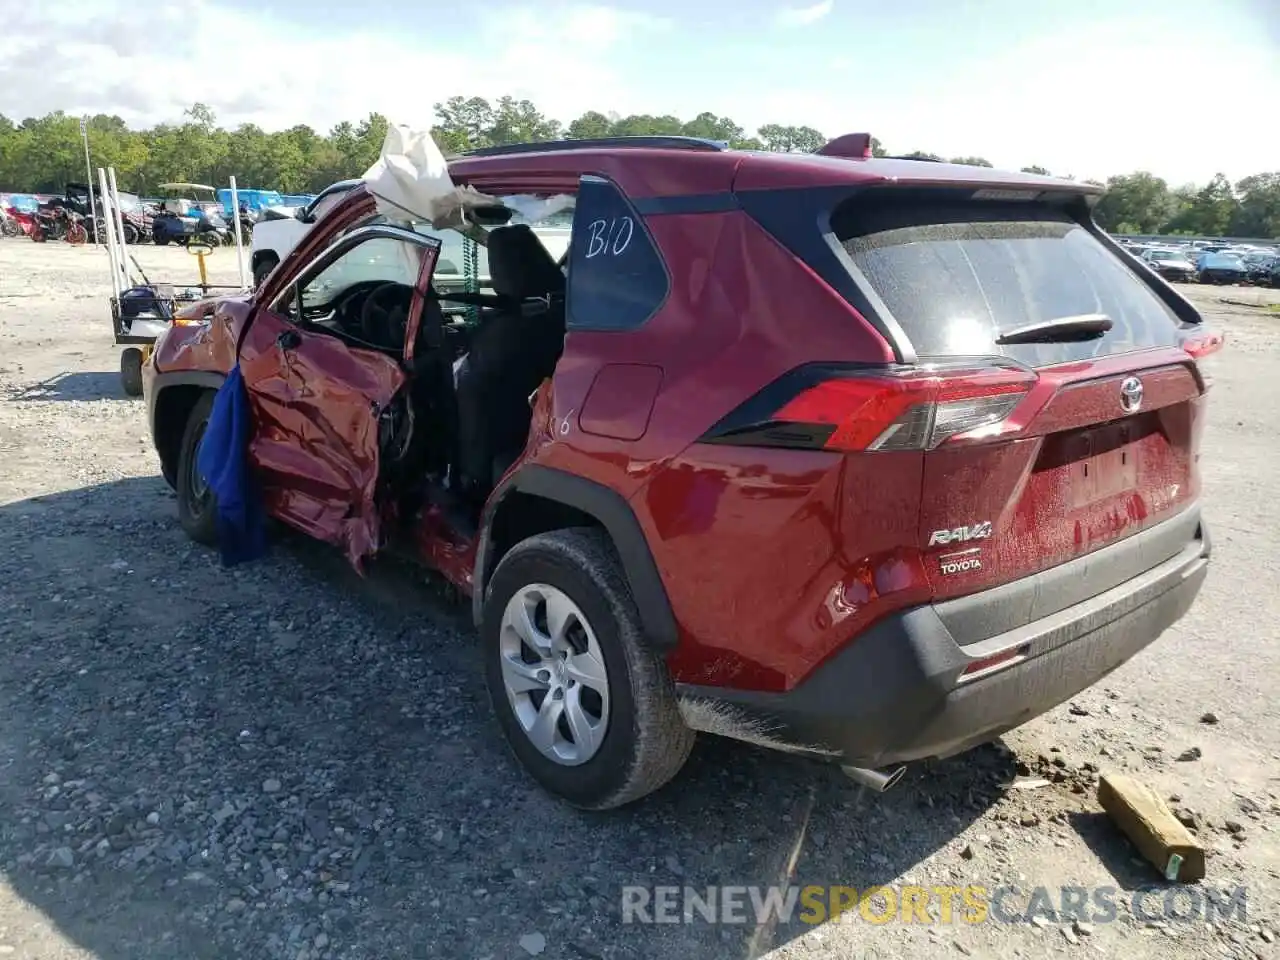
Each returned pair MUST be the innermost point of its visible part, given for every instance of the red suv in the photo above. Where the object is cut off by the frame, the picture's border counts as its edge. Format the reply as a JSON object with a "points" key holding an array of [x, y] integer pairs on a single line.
{"points": [[865, 459]]}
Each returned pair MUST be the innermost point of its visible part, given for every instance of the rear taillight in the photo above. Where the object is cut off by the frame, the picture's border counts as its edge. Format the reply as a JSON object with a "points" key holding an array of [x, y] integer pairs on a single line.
{"points": [[900, 408], [1202, 347], [1203, 344]]}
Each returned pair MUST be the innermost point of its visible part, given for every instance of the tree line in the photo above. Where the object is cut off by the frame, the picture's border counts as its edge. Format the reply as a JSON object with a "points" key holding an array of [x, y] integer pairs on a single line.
{"points": [[41, 154]]}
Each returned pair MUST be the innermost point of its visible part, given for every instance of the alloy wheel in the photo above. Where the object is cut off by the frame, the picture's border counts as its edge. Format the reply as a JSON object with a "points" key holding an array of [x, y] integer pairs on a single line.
{"points": [[554, 674]]}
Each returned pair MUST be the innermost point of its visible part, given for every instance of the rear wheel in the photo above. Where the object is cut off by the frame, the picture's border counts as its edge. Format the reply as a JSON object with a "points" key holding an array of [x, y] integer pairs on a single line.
{"points": [[585, 702], [77, 234], [161, 239], [131, 371], [130, 233], [197, 510]]}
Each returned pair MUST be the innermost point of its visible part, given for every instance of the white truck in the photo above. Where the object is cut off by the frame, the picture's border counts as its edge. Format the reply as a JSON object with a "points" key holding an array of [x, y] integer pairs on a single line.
{"points": [[280, 229]]}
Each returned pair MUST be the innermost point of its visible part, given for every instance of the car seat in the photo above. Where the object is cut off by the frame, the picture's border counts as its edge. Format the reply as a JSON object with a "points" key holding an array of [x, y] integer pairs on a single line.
{"points": [[514, 349]]}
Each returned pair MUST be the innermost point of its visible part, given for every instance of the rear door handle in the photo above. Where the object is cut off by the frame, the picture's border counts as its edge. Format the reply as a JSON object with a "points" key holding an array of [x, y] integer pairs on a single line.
{"points": [[289, 340]]}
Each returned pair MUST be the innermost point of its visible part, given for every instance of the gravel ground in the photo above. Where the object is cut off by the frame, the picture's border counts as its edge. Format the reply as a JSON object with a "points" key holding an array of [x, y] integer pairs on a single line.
{"points": [[284, 761]]}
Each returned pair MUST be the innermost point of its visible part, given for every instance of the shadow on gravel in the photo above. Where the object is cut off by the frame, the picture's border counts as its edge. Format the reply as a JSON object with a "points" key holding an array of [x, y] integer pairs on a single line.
{"points": [[74, 386], [1113, 850], [282, 760]]}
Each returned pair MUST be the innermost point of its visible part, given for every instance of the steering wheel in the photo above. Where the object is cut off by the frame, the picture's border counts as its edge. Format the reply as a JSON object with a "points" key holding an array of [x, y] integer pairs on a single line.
{"points": [[384, 318]]}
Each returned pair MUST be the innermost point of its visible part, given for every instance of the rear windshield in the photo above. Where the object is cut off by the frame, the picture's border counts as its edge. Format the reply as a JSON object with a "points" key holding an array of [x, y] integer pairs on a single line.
{"points": [[954, 275]]}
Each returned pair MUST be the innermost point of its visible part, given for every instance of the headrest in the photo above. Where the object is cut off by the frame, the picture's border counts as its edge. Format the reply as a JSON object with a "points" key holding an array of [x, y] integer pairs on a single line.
{"points": [[520, 266]]}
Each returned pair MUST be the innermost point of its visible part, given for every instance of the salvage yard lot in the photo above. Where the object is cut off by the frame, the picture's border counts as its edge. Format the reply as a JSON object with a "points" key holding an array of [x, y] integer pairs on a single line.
{"points": [[282, 760]]}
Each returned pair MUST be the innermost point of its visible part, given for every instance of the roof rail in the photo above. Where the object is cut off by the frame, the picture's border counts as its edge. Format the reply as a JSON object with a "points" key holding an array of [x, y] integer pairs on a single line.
{"points": [[592, 143], [921, 159]]}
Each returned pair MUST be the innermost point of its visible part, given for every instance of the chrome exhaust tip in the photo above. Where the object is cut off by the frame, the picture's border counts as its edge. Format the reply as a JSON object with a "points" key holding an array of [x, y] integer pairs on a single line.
{"points": [[877, 780]]}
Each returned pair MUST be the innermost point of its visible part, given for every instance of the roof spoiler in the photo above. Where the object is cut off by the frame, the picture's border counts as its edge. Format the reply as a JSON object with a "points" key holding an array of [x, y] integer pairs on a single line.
{"points": [[851, 146]]}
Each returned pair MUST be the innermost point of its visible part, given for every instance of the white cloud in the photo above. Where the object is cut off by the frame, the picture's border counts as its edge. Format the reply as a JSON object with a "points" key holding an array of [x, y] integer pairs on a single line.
{"points": [[101, 57], [804, 16], [1031, 102], [1037, 102]]}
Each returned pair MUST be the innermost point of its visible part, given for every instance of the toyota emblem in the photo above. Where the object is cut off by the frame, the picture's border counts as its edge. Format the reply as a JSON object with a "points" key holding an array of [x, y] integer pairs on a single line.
{"points": [[1131, 394]]}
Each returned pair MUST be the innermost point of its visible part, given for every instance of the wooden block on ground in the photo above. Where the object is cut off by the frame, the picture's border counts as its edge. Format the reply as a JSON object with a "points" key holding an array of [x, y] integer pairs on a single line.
{"points": [[1145, 819]]}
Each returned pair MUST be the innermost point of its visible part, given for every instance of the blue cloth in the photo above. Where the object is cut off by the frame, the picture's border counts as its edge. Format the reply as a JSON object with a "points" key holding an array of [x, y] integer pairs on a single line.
{"points": [[223, 460]]}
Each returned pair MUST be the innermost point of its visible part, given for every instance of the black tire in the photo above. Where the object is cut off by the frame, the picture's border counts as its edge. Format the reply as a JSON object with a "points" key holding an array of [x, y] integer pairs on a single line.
{"points": [[130, 233], [160, 239], [196, 513], [646, 741], [262, 269], [131, 371]]}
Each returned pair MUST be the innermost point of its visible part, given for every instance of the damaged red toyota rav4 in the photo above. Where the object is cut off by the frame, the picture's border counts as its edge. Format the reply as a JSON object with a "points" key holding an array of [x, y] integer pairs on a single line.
{"points": [[865, 459]]}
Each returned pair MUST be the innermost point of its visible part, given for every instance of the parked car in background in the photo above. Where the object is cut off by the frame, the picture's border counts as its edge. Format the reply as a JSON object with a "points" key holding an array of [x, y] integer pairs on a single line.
{"points": [[1259, 266], [1221, 268], [250, 198], [22, 202], [1272, 277], [865, 459], [1170, 264]]}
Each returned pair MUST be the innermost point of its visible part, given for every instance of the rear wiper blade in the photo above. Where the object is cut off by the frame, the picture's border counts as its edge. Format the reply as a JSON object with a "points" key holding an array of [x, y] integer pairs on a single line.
{"points": [[1079, 327]]}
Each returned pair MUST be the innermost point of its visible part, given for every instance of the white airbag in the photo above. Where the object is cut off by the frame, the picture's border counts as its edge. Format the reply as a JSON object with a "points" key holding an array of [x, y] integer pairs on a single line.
{"points": [[411, 181]]}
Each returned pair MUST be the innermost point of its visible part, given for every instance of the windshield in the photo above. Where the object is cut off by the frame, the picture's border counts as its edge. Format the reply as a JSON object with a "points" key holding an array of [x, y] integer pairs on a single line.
{"points": [[955, 274], [383, 259], [1165, 255]]}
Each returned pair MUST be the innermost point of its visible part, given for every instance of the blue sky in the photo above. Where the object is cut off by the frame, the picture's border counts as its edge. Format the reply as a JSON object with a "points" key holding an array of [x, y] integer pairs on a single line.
{"points": [[1084, 87]]}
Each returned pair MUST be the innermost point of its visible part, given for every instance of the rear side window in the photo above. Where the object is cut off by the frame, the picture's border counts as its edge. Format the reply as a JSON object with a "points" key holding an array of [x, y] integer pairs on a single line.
{"points": [[955, 275], [617, 279]]}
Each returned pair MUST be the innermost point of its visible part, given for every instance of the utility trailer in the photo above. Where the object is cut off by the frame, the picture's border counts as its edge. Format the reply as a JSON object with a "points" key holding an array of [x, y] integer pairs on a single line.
{"points": [[141, 312]]}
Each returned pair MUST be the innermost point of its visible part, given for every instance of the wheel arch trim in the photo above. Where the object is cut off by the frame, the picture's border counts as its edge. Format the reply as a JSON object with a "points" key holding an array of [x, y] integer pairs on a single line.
{"points": [[188, 378], [162, 381], [616, 518]]}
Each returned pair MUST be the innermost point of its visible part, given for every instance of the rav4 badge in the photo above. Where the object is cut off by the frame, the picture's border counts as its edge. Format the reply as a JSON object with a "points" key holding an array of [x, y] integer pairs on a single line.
{"points": [[978, 531]]}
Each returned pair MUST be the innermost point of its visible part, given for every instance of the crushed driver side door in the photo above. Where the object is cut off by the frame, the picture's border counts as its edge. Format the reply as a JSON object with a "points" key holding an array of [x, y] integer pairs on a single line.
{"points": [[317, 392]]}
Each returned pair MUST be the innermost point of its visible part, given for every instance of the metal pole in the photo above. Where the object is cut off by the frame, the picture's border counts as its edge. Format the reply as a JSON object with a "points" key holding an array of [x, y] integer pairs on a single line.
{"points": [[119, 225], [88, 173], [111, 246], [235, 218]]}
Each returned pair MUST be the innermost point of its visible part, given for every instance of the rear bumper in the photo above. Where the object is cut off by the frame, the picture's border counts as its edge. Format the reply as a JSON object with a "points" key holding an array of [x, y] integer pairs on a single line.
{"points": [[896, 693]]}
